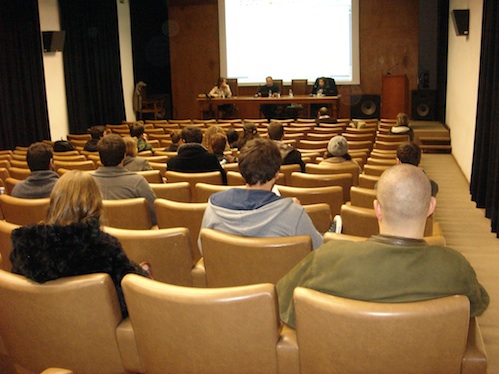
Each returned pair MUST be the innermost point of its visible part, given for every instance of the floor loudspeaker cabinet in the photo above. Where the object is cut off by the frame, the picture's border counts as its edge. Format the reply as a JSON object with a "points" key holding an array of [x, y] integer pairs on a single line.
{"points": [[423, 105], [365, 106]]}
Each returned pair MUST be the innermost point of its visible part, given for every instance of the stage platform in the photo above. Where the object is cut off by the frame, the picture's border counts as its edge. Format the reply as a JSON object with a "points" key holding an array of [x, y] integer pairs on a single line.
{"points": [[432, 136]]}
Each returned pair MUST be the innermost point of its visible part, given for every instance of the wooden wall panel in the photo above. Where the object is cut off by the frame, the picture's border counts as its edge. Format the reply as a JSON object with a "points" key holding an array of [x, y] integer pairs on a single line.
{"points": [[388, 36]]}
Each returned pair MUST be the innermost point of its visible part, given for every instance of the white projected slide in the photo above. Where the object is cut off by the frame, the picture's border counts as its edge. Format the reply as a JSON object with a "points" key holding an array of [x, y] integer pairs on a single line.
{"points": [[289, 39]]}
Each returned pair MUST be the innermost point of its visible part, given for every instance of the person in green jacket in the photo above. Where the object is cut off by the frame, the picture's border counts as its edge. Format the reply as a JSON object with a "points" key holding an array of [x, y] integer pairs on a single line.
{"points": [[395, 266]]}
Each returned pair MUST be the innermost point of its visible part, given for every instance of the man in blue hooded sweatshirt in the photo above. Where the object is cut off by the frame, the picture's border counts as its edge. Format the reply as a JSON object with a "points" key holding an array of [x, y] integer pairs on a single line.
{"points": [[256, 211]]}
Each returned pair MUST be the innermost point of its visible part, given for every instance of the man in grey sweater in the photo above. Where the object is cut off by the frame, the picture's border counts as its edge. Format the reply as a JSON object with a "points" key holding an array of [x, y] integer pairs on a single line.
{"points": [[42, 179], [256, 211], [114, 180]]}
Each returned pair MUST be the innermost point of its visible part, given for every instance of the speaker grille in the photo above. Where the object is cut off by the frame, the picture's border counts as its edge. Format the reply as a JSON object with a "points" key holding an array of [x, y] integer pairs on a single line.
{"points": [[365, 106]]}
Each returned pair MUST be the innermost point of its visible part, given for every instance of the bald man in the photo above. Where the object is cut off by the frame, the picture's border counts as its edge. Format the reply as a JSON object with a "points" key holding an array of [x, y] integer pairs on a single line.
{"points": [[395, 266]]}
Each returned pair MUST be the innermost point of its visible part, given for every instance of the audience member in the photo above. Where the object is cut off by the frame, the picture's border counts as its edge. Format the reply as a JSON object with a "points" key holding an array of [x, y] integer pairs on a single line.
{"points": [[256, 211], [96, 132], [218, 147], [193, 157], [137, 131], [410, 153], [232, 137], [42, 178], [337, 153], [208, 135], [132, 162], [403, 127], [395, 266], [249, 132], [323, 116], [175, 135], [268, 90], [289, 155], [114, 180], [70, 241]]}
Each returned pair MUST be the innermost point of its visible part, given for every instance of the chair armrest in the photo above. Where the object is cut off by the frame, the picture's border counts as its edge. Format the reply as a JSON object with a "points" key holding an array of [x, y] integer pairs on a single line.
{"points": [[125, 337], [198, 274], [288, 359], [475, 356]]}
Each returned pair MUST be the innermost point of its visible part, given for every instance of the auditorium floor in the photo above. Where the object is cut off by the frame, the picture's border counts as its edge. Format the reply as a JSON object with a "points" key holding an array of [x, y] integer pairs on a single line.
{"points": [[467, 230]]}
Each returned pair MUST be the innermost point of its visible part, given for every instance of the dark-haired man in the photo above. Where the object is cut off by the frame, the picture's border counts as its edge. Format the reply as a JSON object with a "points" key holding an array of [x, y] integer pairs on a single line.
{"points": [[192, 156], [114, 180], [137, 130], [42, 179], [255, 210], [289, 155]]}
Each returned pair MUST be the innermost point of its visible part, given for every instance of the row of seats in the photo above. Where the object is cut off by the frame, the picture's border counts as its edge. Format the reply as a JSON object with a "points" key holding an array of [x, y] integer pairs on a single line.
{"points": [[76, 323]]}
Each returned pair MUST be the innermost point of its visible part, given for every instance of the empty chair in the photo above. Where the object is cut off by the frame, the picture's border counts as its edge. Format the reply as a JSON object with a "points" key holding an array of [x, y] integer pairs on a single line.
{"points": [[176, 214], [232, 260], [69, 322], [320, 214], [133, 214], [19, 164], [6, 229], [70, 158], [381, 161], [19, 173], [211, 177], [392, 138], [234, 178], [361, 144], [358, 137], [23, 211], [375, 170], [386, 145], [313, 144], [362, 197], [359, 221], [168, 251], [368, 181], [286, 170], [205, 190], [332, 195], [151, 176], [9, 185], [368, 337], [351, 168], [72, 165], [343, 180], [225, 330], [175, 191]]}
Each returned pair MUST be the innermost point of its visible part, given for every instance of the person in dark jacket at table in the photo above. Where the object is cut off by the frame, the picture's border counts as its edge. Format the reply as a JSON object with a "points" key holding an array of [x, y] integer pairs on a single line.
{"points": [[193, 157]]}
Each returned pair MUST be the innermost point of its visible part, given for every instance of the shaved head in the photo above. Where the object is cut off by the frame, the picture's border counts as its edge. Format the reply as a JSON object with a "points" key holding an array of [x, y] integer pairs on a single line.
{"points": [[404, 195]]}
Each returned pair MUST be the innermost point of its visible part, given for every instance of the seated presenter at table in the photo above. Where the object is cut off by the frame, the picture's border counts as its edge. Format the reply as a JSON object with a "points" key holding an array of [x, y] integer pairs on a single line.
{"points": [[268, 90], [323, 87], [222, 90]]}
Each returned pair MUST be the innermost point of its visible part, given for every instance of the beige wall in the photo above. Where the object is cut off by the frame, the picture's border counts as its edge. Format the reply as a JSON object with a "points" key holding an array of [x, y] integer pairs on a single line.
{"points": [[54, 67], [462, 84]]}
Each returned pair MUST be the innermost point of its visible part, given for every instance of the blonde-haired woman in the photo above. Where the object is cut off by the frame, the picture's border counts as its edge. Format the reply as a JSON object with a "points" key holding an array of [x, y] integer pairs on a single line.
{"points": [[132, 162], [403, 127], [70, 241]]}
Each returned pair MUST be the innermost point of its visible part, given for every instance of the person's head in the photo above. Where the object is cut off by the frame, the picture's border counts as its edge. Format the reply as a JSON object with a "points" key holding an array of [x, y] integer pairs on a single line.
{"points": [[322, 82], [402, 119], [269, 81], [130, 146], [192, 134], [175, 136], [276, 131], [323, 111], [403, 201], [39, 156], [221, 82], [111, 149], [337, 146], [136, 130], [232, 136], [409, 153], [208, 136], [75, 198], [97, 132], [259, 161], [218, 143]]}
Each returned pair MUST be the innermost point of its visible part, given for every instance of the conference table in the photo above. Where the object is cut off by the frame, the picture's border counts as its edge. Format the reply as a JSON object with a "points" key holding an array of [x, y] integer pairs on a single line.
{"points": [[255, 101]]}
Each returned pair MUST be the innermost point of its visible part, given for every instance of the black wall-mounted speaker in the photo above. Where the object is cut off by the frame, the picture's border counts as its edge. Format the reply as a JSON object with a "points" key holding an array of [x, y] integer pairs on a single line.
{"points": [[424, 105], [461, 19], [365, 106], [53, 41]]}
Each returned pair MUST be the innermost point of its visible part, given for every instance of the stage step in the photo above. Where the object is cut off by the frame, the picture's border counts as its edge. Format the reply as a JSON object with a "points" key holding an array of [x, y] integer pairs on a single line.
{"points": [[435, 144]]}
